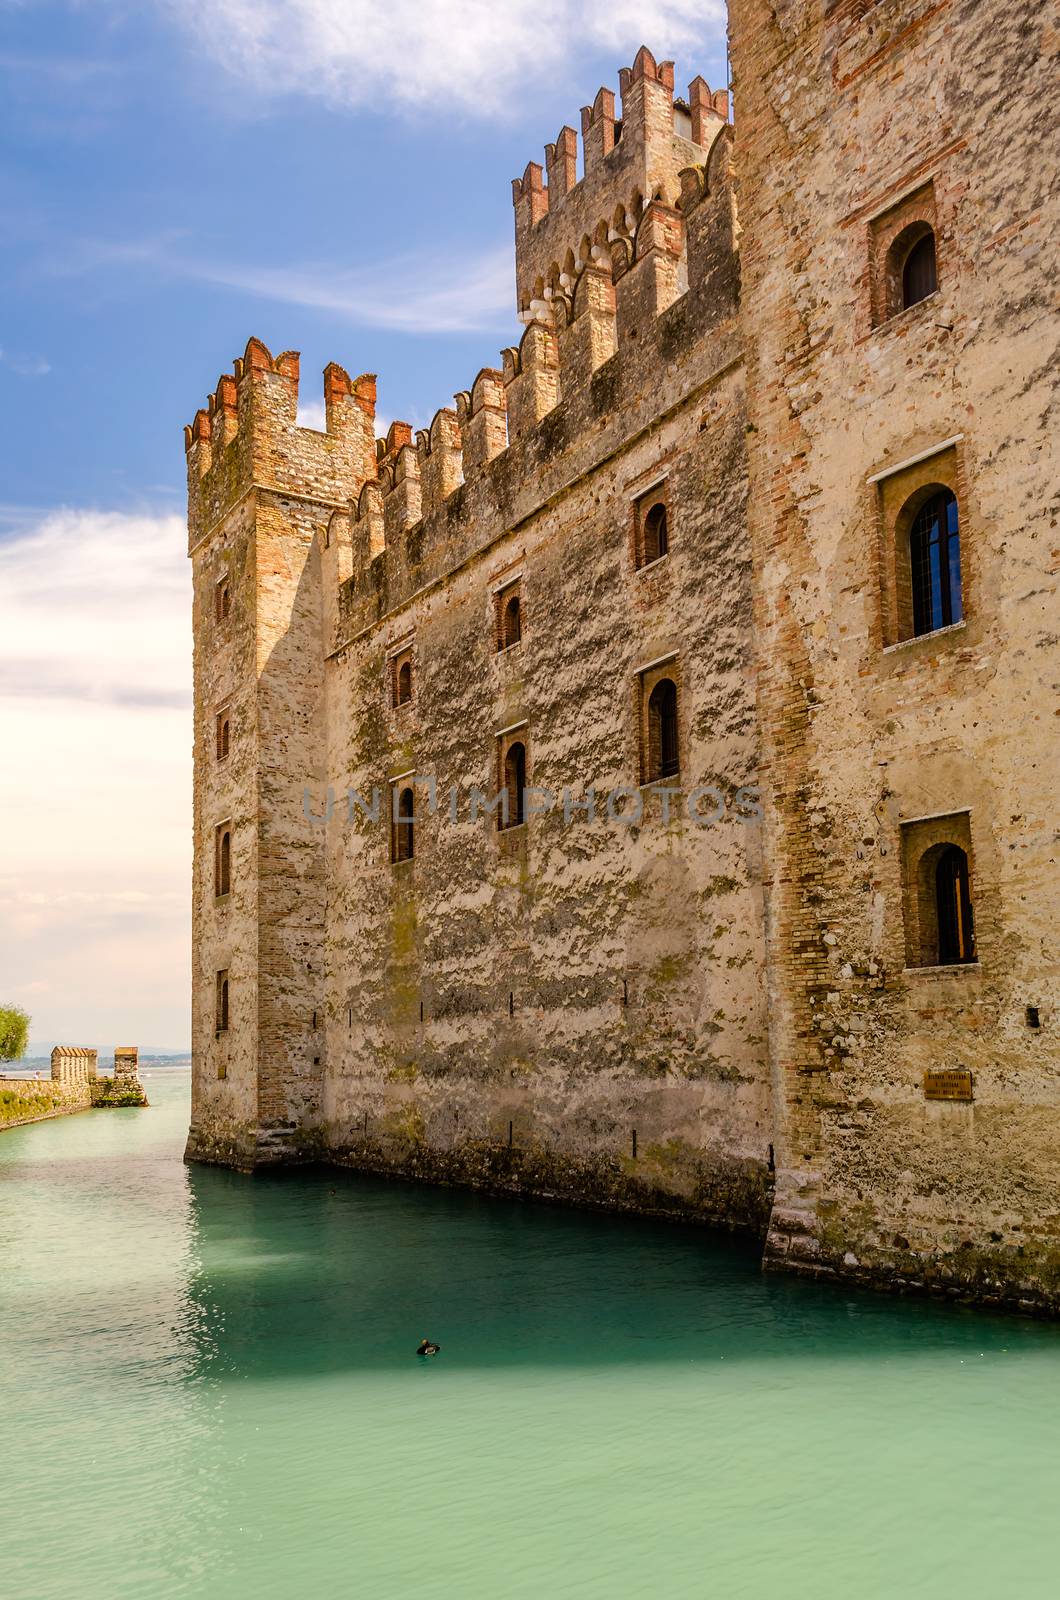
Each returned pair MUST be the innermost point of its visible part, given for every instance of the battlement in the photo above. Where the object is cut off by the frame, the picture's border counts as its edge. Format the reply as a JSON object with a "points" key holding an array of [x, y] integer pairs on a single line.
{"points": [[432, 493], [654, 212], [628, 162], [248, 436]]}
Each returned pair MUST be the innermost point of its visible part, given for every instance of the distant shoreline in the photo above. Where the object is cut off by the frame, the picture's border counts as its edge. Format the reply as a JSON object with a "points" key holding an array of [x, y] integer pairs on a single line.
{"points": [[42, 1064]]}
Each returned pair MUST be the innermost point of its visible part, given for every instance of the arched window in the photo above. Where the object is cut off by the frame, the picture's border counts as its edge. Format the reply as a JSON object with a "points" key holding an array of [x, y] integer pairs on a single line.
{"points": [[953, 904], [515, 784], [404, 827], [400, 668], [223, 875], [919, 274], [656, 541], [513, 623], [223, 600], [222, 735], [507, 615], [935, 563], [663, 759]]}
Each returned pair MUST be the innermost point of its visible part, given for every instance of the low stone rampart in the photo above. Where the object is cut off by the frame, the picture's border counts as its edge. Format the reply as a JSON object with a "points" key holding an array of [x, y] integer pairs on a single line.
{"points": [[35, 1099], [74, 1084]]}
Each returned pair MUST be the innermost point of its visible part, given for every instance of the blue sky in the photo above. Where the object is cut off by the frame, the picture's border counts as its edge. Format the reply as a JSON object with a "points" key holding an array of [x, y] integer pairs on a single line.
{"points": [[330, 175]]}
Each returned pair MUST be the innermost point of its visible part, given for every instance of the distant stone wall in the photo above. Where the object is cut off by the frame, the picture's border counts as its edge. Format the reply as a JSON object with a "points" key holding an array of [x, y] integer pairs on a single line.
{"points": [[74, 1085], [34, 1099]]}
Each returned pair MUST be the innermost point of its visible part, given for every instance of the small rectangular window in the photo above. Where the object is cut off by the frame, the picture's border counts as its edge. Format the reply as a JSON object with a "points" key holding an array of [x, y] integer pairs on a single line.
{"points": [[401, 684], [221, 1002], [938, 892], [651, 526], [508, 616], [402, 820], [513, 755], [659, 721], [903, 268], [222, 859], [918, 525]]}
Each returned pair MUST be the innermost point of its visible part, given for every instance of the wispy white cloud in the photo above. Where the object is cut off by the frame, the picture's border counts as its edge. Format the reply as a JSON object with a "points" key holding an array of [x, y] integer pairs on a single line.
{"points": [[312, 414], [470, 55], [396, 293], [96, 602], [95, 668], [25, 365]]}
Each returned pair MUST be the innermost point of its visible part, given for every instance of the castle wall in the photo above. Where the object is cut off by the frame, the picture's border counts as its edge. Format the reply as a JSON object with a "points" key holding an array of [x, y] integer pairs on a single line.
{"points": [[512, 1007], [571, 1006], [845, 113], [25, 1100]]}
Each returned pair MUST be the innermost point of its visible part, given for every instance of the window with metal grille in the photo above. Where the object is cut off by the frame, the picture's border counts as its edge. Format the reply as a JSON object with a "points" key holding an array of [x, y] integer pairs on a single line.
{"points": [[935, 564]]}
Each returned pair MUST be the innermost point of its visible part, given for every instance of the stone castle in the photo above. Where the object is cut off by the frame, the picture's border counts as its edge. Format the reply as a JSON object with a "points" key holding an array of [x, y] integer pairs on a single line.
{"points": [[639, 786]]}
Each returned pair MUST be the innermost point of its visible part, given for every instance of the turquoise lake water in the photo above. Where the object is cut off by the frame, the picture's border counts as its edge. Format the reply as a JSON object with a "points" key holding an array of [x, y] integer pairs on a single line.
{"points": [[209, 1389]]}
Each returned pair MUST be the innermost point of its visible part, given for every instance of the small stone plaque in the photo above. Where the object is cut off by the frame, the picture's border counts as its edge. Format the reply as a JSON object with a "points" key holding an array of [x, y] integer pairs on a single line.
{"points": [[954, 1083]]}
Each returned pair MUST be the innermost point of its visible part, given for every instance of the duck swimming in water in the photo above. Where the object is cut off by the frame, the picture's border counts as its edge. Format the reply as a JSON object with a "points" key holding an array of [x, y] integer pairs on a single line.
{"points": [[427, 1348]]}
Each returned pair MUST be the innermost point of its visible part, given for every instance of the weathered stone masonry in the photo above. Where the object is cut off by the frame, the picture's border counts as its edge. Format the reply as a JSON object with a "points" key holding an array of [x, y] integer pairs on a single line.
{"points": [[858, 121], [654, 1015]]}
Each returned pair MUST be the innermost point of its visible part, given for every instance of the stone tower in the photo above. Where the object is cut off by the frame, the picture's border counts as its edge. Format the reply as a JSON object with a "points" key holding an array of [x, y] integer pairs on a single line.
{"points": [[900, 744], [258, 916]]}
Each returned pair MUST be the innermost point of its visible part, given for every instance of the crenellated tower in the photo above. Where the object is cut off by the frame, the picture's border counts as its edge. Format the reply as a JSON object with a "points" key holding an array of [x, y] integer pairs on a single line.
{"points": [[260, 491], [568, 224]]}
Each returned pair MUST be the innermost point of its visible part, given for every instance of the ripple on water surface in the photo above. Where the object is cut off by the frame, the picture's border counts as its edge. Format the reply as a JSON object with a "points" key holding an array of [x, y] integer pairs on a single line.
{"points": [[209, 1389]]}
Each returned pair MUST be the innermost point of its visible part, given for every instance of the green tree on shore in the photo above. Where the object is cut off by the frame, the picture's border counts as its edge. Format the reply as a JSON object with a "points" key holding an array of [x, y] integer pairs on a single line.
{"points": [[14, 1033]]}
